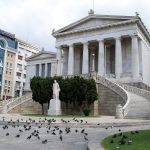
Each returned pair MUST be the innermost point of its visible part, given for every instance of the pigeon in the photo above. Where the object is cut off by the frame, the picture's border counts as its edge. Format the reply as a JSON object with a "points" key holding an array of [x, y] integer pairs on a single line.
{"points": [[44, 142], [61, 137], [86, 139], [20, 130], [115, 135], [53, 133], [7, 134], [112, 141], [129, 142], [82, 131], [29, 137], [136, 131], [17, 136]]}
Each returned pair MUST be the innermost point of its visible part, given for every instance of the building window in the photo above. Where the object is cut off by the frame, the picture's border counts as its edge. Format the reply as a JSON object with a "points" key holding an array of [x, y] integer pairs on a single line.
{"points": [[20, 57], [19, 66], [11, 56], [18, 74], [10, 65], [37, 69], [25, 67], [24, 75], [43, 70], [8, 55], [49, 69], [9, 73], [8, 82], [7, 64]]}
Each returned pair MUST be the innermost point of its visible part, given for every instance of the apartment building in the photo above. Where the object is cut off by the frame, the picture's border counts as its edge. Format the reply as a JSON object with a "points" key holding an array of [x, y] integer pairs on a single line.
{"points": [[13, 53]]}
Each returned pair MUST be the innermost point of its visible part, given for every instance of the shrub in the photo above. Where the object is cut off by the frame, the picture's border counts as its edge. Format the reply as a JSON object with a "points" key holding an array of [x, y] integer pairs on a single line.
{"points": [[86, 111]]}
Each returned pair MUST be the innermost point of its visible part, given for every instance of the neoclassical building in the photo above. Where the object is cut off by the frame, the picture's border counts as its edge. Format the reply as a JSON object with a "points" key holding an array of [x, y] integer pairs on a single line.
{"points": [[118, 45], [117, 48]]}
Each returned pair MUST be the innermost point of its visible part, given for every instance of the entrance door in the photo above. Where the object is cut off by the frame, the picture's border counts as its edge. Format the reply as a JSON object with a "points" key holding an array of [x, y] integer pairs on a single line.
{"points": [[110, 59]]}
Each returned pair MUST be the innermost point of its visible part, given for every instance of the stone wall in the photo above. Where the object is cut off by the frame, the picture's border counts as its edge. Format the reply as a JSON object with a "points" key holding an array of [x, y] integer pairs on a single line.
{"points": [[71, 110], [108, 100], [29, 107]]}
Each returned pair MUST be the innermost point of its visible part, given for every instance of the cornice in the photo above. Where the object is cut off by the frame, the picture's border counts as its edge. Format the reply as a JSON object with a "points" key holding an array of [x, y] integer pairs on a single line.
{"points": [[94, 16], [96, 27]]}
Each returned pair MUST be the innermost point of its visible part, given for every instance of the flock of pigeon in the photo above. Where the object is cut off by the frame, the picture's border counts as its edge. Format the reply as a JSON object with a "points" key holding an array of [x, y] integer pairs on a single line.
{"points": [[33, 128], [123, 139]]}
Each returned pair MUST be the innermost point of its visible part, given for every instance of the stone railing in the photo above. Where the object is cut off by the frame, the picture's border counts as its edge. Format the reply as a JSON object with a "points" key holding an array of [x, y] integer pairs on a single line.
{"points": [[137, 91], [117, 89], [11, 103]]}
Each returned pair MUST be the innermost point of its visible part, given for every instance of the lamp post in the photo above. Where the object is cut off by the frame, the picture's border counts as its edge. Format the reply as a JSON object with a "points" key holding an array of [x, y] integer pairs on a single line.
{"points": [[93, 62]]}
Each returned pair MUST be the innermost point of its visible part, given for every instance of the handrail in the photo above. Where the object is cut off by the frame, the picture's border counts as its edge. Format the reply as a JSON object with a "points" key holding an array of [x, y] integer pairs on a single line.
{"points": [[117, 89], [17, 102], [13, 102], [135, 90]]}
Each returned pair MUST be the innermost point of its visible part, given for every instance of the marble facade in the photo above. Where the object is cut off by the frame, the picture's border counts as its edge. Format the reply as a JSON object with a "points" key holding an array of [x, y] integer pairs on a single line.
{"points": [[118, 44]]}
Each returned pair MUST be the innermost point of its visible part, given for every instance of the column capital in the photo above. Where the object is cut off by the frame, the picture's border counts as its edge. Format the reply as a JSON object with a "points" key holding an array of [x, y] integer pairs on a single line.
{"points": [[85, 43], [100, 40], [58, 47], [135, 35], [118, 37]]}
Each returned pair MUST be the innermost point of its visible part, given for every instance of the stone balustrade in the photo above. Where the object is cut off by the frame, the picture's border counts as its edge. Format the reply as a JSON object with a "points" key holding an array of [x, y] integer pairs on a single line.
{"points": [[118, 89], [135, 90], [13, 102]]}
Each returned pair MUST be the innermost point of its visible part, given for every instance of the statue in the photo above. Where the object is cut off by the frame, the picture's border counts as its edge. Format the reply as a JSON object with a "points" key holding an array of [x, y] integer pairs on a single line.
{"points": [[55, 104], [56, 90]]}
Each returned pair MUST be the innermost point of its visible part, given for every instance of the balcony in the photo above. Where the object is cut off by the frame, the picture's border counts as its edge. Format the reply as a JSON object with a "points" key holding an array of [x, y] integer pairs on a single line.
{"points": [[17, 87]]}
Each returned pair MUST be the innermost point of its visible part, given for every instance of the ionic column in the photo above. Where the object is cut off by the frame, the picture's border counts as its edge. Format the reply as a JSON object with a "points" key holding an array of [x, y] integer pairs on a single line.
{"points": [[46, 69], [71, 60], [135, 57], [40, 70], [59, 61], [101, 58], [118, 58], [85, 60]]}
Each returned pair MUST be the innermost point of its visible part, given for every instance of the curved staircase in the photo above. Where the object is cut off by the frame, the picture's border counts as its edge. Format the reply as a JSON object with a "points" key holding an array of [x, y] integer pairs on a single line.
{"points": [[139, 107], [8, 105], [135, 101], [139, 104]]}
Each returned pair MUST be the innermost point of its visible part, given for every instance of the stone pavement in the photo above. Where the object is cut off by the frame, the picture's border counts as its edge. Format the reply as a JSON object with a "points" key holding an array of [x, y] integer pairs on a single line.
{"points": [[103, 120], [71, 141]]}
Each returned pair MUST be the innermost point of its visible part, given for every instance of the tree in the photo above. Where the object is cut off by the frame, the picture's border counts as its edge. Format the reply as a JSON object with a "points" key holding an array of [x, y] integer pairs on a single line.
{"points": [[41, 90], [75, 90]]}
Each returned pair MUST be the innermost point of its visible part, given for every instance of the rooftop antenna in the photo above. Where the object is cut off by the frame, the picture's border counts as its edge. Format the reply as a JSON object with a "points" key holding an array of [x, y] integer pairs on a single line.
{"points": [[93, 5], [91, 12]]}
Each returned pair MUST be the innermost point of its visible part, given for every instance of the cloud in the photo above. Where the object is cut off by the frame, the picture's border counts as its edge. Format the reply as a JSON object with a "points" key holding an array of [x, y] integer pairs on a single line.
{"points": [[33, 20]]}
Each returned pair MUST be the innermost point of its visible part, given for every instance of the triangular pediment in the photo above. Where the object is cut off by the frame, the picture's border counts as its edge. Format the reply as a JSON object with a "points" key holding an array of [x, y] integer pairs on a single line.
{"points": [[42, 55], [92, 21]]}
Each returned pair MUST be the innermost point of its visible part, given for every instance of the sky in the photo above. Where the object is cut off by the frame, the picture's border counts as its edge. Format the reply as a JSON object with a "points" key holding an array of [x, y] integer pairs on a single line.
{"points": [[34, 20]]}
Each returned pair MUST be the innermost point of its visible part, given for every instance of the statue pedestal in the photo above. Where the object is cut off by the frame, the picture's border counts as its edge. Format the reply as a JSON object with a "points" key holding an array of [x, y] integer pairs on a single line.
{"points": [[54, 107]]}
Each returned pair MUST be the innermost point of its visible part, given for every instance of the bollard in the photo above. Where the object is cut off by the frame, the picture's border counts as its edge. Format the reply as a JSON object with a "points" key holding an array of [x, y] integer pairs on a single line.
{"points": [[119, 112]]}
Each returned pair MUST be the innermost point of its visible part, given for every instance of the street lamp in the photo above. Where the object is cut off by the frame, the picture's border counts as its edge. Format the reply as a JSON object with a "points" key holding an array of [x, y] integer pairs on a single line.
{"points": [[93, 62]]}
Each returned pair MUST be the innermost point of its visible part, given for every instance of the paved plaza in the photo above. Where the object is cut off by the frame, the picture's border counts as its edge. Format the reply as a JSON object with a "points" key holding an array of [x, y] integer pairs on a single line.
{"points": [[79, 136]]}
